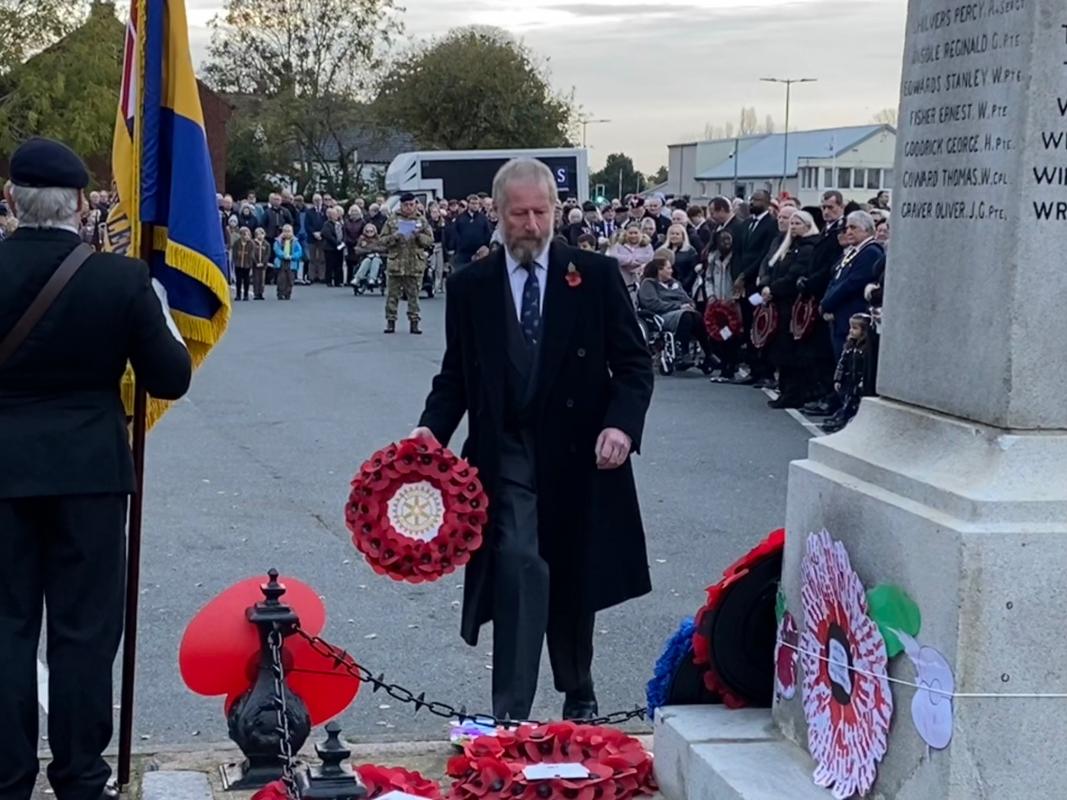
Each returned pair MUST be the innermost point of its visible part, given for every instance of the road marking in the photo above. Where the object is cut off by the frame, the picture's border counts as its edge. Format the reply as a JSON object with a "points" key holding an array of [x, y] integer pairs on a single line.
{"points": [[42, 686], [806, 423]]}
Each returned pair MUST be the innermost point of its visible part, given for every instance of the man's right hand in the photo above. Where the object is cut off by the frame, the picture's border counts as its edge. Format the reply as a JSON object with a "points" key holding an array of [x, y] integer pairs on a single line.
{"points": [[424, 433]]}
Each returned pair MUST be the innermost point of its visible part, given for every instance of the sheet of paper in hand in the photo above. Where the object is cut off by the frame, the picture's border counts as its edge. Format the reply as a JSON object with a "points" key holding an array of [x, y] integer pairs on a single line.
{"points": [[406, 228]]}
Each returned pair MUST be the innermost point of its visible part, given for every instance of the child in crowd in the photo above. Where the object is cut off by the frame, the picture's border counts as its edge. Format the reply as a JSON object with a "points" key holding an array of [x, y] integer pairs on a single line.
{"points": [[287, 257], [851, 373], [587, 241], [242, 260], [260, 260]]}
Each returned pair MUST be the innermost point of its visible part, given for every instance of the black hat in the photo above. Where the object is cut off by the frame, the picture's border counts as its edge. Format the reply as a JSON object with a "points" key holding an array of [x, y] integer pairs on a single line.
{"points": [[46, 163], [407, 197], [588, 205]]}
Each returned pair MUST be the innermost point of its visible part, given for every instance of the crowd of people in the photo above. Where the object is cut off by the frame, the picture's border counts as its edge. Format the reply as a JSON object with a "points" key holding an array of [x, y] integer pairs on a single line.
{"points": [[761, 292]]}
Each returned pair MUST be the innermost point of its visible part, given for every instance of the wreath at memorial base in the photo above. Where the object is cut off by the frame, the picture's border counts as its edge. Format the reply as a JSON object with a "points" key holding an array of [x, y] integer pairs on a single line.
{"points": [[735, 629], [802, 320], [722, 315], [764, 325], [416, 511], [492, 767]]}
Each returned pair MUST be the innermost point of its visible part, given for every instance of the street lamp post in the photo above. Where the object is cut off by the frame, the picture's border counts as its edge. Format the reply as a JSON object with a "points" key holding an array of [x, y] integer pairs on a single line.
{"points": [[788, 92], [587, 122]]}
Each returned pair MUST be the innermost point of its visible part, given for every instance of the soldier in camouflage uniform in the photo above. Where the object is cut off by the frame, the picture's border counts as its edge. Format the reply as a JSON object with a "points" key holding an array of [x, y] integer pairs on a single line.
{"points": [[406, 261]]}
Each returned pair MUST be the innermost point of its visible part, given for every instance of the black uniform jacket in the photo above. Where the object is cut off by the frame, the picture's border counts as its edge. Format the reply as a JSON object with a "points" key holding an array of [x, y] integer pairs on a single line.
{"points": [[62, 424], [594, 373]]}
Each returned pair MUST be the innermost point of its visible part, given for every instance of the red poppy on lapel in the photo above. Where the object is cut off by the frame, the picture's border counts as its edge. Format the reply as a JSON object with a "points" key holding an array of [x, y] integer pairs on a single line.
{"points": [[574, 277]]}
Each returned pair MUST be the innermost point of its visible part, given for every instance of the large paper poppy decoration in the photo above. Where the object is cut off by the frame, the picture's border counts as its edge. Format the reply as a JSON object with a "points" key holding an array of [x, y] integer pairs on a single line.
{"points": [[416, 511], [847, 701], [220, 651], [735, 631]]}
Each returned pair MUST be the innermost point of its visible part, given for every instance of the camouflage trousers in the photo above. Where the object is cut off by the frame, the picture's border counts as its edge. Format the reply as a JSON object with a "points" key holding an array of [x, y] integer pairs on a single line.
{"points": [[409, 285]]}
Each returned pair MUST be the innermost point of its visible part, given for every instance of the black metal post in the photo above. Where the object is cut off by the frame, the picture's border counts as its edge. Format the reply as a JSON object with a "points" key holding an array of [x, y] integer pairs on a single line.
{"points": [[253, 719], [334, 780]]}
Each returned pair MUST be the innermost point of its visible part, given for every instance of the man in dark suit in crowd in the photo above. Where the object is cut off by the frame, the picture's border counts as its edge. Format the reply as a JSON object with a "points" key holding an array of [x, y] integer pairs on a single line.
{"points": [[470, 232], [758, 232], [827, 254], [721, 217], [65, 468], [544, 355]]}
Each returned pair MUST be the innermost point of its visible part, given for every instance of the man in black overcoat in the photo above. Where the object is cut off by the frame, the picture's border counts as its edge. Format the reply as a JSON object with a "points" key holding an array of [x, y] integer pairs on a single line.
{"points": [[66, 472], [545, 357], [758, 234]]}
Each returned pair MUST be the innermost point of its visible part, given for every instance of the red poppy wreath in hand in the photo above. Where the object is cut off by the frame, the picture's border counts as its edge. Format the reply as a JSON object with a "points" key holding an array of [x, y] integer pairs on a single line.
{"points": [[416, 511], [492, 767]]}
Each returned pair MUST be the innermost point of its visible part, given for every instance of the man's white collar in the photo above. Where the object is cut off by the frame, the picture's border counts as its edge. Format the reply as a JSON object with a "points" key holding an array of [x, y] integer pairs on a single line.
{"points": [[541, 259]]}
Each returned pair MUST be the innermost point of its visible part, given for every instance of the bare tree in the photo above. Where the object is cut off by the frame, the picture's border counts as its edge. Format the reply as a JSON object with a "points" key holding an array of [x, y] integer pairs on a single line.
{"points": [[768, 124], [887, 116]]}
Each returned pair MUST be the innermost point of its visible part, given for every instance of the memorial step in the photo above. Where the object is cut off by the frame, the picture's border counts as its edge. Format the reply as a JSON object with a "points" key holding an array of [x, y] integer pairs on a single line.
{"points": [[713, 753]]}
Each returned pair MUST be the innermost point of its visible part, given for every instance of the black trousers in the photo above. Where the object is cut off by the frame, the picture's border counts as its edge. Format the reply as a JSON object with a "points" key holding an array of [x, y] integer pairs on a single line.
{"points": [[244, 279], [522, 617], [68, 554], [334, 266]]}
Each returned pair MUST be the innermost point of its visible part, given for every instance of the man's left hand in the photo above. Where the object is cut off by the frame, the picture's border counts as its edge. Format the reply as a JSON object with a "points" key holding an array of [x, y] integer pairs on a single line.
{"points": [[612, 449]]}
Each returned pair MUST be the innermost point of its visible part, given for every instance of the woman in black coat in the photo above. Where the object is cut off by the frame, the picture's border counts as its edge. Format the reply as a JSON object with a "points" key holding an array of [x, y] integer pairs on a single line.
{"points": [[792, 261], [685, 256]]}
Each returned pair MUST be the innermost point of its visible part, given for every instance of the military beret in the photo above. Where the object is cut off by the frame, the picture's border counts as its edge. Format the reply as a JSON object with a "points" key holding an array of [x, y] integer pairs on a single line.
{"points": [[407, 197], [46, 163]]}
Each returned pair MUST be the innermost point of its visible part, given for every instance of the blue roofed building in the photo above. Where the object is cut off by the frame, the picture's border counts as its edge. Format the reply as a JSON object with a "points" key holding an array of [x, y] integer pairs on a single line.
{"points": [[857, 161]]}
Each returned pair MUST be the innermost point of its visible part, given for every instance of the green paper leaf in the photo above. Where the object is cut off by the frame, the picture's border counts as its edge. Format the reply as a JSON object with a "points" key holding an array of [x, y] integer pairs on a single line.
{"points": [[891, 608], [779, 605]]}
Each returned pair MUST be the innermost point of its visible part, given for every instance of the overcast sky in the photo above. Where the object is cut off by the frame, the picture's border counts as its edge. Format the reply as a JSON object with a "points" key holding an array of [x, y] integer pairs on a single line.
{"points": [[662, 70]]}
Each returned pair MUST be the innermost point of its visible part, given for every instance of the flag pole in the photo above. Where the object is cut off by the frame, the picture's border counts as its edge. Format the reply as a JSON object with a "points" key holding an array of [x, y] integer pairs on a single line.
{"points": [[133, 561]]}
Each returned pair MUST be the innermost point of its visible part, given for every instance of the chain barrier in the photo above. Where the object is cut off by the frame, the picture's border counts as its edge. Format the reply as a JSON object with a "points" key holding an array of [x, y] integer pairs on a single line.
{"points": [[275, 642], [342, 660]]}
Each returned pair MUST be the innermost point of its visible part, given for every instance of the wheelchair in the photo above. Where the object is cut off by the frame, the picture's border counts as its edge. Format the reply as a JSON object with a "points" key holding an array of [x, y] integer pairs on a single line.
{"points": [[661, 342]]}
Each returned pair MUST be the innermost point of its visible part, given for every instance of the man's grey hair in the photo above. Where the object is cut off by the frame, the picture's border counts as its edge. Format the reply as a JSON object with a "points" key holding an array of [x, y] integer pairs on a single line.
{"points": [[522, 170], [576, 215], [863, 220], [46, 207]]}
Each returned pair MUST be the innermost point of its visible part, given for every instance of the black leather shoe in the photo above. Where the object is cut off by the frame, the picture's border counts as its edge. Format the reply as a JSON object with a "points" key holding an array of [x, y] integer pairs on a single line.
{"points": [[580, 710], [783, 401], [765, 383], [820, 408]]}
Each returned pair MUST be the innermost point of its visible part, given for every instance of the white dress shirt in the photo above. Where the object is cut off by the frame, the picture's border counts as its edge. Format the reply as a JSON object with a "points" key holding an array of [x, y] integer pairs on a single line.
{"points": [[517, 274]]}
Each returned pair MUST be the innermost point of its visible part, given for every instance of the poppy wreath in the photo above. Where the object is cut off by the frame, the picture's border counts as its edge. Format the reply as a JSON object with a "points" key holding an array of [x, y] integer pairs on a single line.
{"points": [[416, 511], [721, 314], [764, 325], [492, 767], [758, 559], [802, 320]]}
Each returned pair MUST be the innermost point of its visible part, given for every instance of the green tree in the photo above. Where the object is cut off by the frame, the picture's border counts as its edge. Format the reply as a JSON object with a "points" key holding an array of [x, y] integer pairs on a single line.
{"points": [[619, 177], [68, 91], [475, 88], [28, 26], [658, 177], [299, 72]]}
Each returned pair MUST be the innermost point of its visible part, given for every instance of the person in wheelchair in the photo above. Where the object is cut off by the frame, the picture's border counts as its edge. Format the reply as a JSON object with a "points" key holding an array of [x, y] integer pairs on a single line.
{"points": [[664, 297], [371, 255]]}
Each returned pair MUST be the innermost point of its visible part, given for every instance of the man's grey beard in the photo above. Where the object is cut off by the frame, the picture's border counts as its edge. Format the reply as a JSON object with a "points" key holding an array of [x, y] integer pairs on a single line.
{"points": [[526, 249]]}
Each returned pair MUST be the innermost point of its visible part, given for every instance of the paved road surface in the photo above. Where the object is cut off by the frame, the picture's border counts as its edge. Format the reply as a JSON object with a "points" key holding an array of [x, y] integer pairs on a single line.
{"points": [[252, 470]]}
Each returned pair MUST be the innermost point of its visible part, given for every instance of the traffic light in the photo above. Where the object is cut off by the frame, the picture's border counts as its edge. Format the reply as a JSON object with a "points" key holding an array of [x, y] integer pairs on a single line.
{"points": [[600, 194]]}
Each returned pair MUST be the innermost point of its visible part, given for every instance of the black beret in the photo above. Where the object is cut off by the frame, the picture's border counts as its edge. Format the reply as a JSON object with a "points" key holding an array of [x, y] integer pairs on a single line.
{"points": [[46, 163], [407, 197]]}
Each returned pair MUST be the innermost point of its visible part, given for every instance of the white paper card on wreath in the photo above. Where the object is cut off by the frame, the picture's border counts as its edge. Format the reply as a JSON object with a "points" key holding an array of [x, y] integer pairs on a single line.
{"points": [[756, 299], [725, 334], [547, 771]]}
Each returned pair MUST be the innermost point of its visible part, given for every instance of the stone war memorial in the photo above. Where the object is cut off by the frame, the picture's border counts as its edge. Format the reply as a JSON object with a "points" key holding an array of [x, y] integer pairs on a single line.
{"points": [[943, 507]]}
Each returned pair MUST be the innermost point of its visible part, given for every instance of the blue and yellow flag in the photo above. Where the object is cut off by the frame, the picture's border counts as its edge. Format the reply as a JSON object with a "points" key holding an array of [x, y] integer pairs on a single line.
{"points": [[164, 179]]}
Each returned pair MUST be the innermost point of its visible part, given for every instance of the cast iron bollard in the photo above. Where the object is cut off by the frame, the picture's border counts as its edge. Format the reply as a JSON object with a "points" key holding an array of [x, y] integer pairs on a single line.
{"points": [[334, 780], [253, 719]]}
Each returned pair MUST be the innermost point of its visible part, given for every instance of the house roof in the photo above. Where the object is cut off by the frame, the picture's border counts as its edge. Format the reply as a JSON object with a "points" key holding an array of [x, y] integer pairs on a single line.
{"points": [[763, 156], [373, 145]]}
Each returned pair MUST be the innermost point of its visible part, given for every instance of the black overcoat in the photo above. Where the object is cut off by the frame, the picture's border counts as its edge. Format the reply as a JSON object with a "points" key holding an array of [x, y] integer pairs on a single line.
{"points": [[594, 373]]}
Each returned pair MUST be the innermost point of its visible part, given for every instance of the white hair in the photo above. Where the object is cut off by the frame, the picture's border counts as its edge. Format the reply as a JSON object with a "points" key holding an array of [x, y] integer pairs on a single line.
{"points": [[520, 170], [861, 219], [787, 243], [47, 207], [575, 215]]}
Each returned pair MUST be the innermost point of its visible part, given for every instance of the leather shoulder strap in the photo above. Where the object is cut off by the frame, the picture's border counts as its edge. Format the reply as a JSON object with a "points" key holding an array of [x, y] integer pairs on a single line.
{"points": [[28, 321]]}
